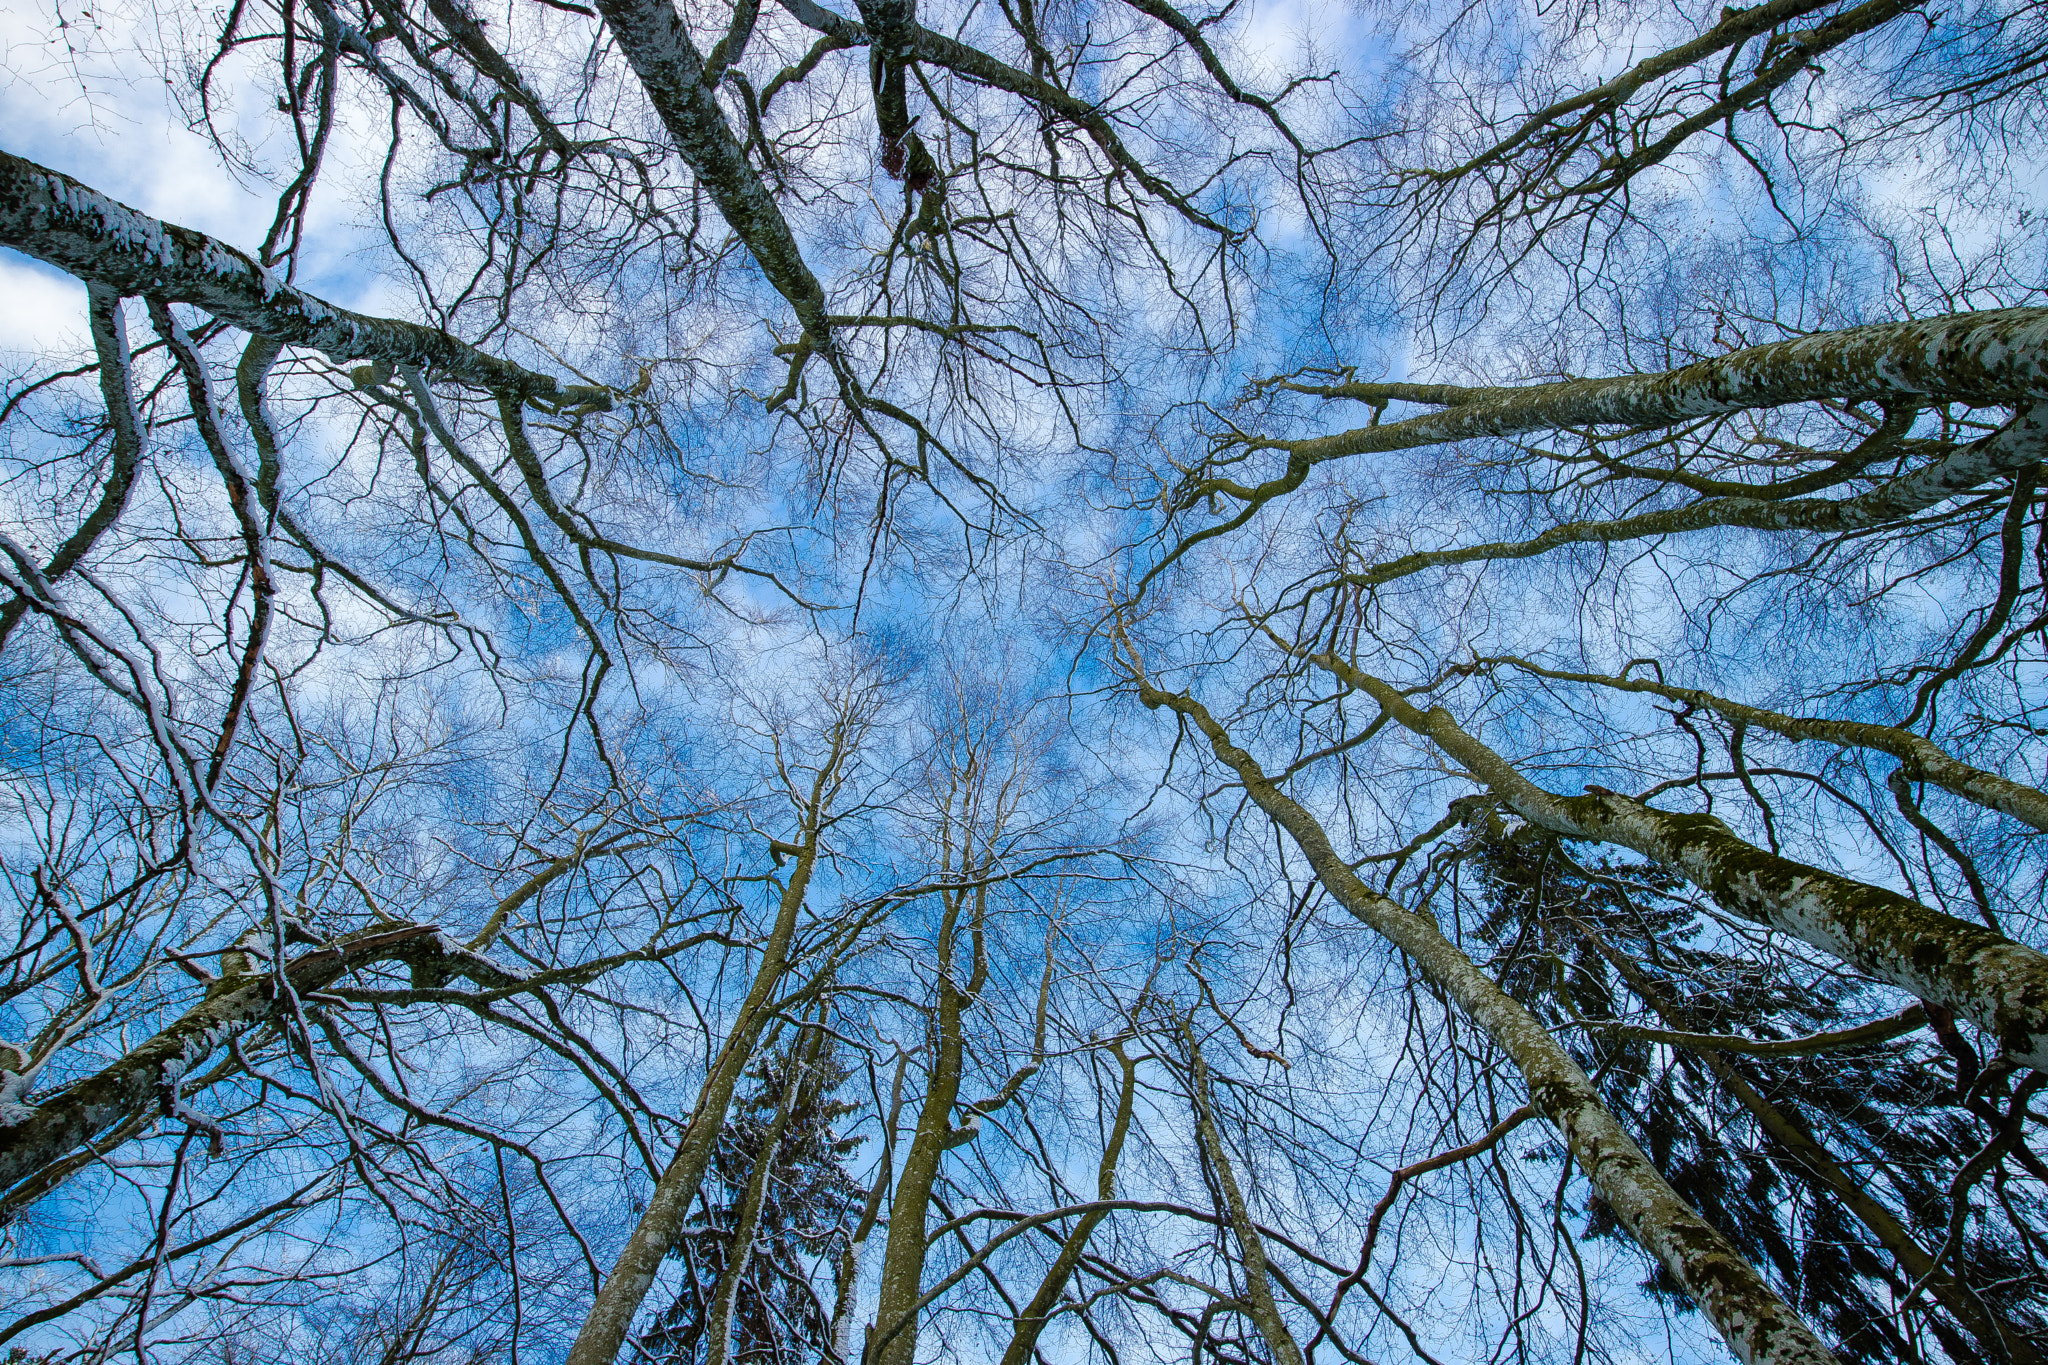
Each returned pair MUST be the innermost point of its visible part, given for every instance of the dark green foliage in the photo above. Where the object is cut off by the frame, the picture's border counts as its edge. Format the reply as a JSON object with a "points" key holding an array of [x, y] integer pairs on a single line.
{"points": [[779, 1315], [1903, 1117]]}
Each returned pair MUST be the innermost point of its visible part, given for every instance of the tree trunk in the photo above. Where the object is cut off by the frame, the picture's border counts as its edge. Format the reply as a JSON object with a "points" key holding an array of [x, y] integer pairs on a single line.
{"points": [[1030, 1323], [2000, 1341], [1258, 1287], [1750, 1316], [632, 1275], [1999, 985], [903, 1255]]}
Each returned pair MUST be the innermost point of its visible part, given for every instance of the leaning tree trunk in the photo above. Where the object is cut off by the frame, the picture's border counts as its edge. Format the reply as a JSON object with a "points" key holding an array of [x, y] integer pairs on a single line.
{"points": [[1999, 985], [632, 1275], [1258, 1284], [1031, 1322], [657, 43], [1755, 1322], [1999, 1340], [148, 1079]]}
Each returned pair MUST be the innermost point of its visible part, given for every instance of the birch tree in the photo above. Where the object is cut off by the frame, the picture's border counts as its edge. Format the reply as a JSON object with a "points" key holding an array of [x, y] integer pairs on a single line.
{"points": [[1333, 694]]}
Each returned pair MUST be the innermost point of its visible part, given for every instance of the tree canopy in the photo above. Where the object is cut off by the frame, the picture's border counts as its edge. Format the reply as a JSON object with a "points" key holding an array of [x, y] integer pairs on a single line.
{"points": [[1060, 680]]}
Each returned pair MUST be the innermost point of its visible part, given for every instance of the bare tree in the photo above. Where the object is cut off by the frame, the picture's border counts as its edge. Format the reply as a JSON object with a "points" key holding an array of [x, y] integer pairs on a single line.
{"points": [[506, 784]]}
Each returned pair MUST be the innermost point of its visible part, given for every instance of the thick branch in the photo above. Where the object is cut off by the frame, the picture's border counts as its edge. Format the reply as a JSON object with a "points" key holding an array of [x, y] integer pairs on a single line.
{"points": [[35, 1136], [50, 216], [657, 43], [1999, 985], [1925, 760], [2019, 444], [1908, 1020], [1757, 1325], [1998, 1338], [1993, 357], [632, 1275], [124, 425]]}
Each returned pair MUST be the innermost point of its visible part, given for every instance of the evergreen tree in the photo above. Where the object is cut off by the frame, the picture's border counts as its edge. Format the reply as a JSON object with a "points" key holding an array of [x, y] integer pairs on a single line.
{"points": [[1590, 944], [778, 1315]]}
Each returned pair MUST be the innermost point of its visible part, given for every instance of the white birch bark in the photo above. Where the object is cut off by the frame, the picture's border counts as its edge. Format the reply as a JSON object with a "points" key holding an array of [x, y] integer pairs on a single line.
{"points": [[50, 216]]}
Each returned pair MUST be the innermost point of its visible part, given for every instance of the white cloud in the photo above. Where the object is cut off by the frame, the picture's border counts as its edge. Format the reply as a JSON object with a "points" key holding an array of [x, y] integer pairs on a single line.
{"points": [[90, 98], [40, 309]]}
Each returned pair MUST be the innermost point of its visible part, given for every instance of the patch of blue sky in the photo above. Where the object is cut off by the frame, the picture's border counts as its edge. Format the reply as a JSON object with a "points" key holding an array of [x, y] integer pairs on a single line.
{"points": [[91, 92]]}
